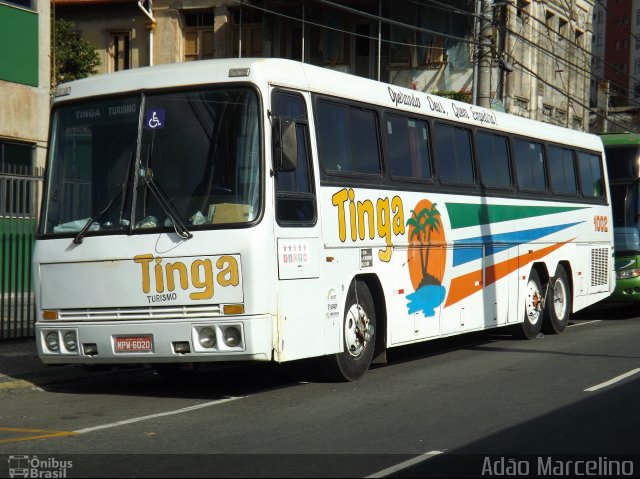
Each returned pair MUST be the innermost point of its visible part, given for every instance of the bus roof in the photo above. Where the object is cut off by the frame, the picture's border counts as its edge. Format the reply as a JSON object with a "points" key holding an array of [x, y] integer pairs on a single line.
{"points": [[620, 139], [303, 76]]}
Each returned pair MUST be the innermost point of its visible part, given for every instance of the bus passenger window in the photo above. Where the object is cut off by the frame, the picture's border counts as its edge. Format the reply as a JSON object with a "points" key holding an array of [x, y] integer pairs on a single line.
{"points": [[529, 165], [493, 159], [408, 147], [347, 139], [452, 150], [334, 148], [590, 175], [364, 141], [562, 171]]}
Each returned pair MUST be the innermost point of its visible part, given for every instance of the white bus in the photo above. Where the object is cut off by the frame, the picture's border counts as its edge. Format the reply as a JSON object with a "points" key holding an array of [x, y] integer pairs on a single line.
{"points": [[269, 210]]}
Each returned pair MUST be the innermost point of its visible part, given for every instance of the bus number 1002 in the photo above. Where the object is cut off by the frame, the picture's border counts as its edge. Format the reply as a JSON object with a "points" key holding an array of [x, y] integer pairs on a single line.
{"points": [[600, 223]]}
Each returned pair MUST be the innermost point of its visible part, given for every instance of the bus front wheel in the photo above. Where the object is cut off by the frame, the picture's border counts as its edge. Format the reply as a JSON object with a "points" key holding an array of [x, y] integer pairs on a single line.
{"points": [[557, 304], [359, 331]]}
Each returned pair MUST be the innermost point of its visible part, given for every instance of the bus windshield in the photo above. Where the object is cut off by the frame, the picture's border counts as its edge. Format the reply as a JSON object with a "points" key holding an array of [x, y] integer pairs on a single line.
{"points": [[144, 163], [623, 166], [623, 162], [626, 216]]}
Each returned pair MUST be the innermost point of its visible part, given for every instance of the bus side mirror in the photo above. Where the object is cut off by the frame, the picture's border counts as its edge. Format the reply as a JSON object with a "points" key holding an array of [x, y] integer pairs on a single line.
{"points": [[285, 145]]}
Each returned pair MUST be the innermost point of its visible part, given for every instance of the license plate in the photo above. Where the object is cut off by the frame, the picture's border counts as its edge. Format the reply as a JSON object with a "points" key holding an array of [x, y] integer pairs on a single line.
{"points": [[134, 344]]}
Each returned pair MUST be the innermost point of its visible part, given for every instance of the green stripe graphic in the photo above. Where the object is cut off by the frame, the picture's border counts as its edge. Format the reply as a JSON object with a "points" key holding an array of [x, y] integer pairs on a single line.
{"points": [[462, 215]]}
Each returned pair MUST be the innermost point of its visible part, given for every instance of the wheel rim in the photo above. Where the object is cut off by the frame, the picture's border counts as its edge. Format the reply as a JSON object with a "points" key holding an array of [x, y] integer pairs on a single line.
{"points": [[356, 330], [534, 302], [559, 300]]}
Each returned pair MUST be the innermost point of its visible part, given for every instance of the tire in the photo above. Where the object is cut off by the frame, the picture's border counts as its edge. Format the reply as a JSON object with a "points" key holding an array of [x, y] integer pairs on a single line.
{"points": [[557, 303], [359, 331], [533, 308]]}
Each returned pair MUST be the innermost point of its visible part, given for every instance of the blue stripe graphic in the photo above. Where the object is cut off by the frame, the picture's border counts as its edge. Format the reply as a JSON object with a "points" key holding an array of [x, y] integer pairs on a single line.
{"points": [[470, 249]]}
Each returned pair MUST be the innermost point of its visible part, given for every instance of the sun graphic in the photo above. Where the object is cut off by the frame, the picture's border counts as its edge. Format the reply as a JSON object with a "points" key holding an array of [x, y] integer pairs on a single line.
{"points": [[426, 257]]}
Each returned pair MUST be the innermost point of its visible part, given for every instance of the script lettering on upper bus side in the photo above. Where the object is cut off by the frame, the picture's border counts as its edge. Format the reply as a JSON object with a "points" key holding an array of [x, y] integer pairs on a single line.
{"points": [[460, 112], [484, 116], [399, 97], [435, 105]]}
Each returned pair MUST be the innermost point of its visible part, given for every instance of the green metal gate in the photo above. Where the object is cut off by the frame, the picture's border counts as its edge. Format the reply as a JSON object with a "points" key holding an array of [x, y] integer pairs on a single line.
{"points": [[20, 192]]}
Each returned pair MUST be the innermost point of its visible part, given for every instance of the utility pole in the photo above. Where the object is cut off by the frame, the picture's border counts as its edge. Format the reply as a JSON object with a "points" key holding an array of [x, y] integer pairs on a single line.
{"points": [[603, 105], [484, 56], [151, 26]]}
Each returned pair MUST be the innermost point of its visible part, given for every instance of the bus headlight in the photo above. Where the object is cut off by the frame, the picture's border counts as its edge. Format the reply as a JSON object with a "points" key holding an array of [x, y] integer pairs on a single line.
{"points": [[207, 337], [53, 341], [232, 336], [627, 273], [71, 341]]}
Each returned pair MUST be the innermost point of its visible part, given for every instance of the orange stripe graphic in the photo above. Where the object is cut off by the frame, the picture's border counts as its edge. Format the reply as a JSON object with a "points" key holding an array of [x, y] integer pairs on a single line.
{"points": [[467, 284]]}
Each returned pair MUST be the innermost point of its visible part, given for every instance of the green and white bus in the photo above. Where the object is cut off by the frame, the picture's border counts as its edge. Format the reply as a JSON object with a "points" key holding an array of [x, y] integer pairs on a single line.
{"points": [[622, 151], [270, 210]]}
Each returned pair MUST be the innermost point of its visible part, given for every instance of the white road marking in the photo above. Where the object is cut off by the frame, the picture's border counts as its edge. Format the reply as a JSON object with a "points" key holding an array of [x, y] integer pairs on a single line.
{"points": [[161, 414], [613, 381], [582, 324], [403, 465]]}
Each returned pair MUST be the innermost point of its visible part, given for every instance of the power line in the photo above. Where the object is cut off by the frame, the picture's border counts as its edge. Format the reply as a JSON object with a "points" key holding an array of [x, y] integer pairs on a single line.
{"points": [[578, 70], [355, 34], [604, 7], [587, 73], [580, 48], [618, 71], [444, 6], [532, 43], [535, 75], [571, 99], [388, 21], [584, 50], [564, 86]]}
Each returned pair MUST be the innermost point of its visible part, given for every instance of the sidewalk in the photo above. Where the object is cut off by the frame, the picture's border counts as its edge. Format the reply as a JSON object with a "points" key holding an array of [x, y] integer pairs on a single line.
{"points": [[20, 366], [19, 357]]}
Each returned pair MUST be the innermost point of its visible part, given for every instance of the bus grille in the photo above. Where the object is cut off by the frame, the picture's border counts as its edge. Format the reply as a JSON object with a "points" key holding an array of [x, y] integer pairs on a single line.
{"points": [[166, 312], [599, 266]]}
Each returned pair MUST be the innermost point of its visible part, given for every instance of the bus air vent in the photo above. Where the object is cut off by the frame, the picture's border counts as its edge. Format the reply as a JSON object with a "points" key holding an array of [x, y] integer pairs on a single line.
{"points": [[599, 267]]}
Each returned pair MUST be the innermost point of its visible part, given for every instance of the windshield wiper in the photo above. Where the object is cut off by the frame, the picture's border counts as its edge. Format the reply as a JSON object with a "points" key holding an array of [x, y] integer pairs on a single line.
{"points": [[164, 202], [98, 217]]}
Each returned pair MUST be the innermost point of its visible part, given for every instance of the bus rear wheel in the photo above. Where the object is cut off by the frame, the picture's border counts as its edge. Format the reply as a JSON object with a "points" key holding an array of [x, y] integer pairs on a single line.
{"points": [[533, 308], [359, 330], [557, 304]]}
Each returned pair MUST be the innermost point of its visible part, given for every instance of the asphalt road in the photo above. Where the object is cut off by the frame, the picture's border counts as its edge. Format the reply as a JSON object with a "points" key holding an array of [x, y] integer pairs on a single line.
{"points": [[459, 407]]}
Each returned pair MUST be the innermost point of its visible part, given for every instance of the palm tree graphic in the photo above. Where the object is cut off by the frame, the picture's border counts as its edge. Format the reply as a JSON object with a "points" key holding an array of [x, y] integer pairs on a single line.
{"points": [[424, 223]]}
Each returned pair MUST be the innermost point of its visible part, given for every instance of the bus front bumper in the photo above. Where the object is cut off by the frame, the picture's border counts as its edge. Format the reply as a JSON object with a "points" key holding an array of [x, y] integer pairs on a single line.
{"points": [[627, 290], [242, 338]]}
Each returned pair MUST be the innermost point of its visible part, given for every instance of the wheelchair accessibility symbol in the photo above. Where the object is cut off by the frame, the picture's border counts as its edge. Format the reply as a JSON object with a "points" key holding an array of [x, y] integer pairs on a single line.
{"points": [[154, 119]]}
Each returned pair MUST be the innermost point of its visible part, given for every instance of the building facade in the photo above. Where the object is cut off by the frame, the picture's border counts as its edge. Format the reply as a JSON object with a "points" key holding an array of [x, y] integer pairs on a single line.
{"points": [[24, 84], [615, 87], [634, 47], [539, 53], [617, 50], [549, 46]]}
